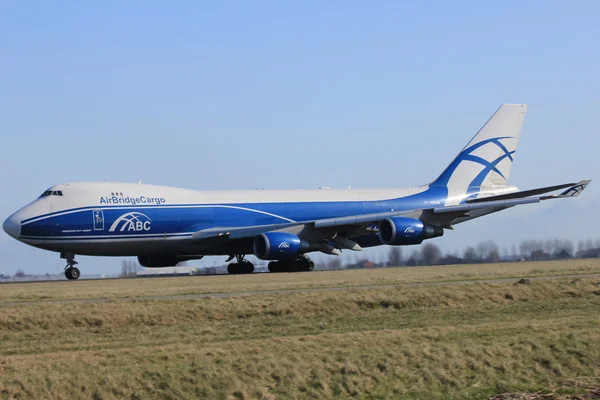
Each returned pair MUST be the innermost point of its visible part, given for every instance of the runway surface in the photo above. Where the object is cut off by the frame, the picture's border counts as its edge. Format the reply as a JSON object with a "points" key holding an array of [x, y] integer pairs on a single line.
{"points": [[292, 291]]}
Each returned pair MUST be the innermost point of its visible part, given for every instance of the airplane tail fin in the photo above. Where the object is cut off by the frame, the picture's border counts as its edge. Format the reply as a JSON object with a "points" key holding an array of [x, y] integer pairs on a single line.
{"points": [[487, 159]]}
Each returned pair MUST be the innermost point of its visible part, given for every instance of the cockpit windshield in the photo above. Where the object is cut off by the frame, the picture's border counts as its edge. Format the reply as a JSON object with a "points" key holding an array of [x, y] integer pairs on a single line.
{"points": [[52, 193]]}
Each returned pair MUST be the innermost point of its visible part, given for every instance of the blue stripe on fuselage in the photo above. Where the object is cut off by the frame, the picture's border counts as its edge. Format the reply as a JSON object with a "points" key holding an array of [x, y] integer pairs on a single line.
{"points": [[186, 218]]}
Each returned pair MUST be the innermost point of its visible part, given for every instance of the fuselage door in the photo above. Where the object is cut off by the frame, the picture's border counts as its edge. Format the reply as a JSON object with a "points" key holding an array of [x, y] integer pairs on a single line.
{"points": [[98, 220]]}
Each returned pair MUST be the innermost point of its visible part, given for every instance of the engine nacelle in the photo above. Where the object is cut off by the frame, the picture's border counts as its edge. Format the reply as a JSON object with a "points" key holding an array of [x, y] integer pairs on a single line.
{"points": [[278, 245], [405, 231]]}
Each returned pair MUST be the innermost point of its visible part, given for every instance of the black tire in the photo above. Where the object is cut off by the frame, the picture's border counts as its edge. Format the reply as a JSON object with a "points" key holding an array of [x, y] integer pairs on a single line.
{"points": [[289, 266], [274, 267], [248, 267], [75, 273], [233, 269], [68, 273]]}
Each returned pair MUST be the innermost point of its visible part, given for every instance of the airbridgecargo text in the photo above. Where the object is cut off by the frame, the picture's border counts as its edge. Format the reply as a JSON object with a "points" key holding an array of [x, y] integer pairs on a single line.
{"points": [[132, 200]]}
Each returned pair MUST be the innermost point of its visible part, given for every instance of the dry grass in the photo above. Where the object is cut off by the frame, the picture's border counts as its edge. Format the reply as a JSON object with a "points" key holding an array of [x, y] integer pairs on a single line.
{"points": [[242, 283], [438, 342]]}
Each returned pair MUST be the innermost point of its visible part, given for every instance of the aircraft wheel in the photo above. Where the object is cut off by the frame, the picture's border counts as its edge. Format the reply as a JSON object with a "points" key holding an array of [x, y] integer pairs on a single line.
{"points": [[274, 266], [247, 267], [75, 274], [72, 273], [233, 269]]}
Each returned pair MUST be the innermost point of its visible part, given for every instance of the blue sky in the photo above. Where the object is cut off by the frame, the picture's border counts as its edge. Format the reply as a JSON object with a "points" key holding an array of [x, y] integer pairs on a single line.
{"points": [[240, 95]]}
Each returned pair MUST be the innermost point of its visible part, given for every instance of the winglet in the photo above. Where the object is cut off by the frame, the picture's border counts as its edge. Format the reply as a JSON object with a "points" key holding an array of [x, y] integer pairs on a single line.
{"points": [[572, 191]]}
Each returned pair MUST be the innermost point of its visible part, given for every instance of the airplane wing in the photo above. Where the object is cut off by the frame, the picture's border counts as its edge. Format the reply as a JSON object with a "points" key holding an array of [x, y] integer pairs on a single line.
{"points": [[240, 232], [444, 217]]}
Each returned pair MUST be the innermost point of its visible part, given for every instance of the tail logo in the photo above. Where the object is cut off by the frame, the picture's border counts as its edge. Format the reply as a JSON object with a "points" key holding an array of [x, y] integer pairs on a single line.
{"points": [[131, 222], [489, 165], [574, 191]]}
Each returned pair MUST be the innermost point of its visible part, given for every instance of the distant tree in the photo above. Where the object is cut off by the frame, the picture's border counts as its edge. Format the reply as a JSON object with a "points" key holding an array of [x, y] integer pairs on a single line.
{"points": [[414, 259], [130, 268], [431, 254], [376, 258], [513, 250], [20, 273], [484, 249], [394, 256], [411, 262], [549, 246], [334, 263], [562, 255], [124, 268], [569, 247], [538, 255], [451, 259], [349, 259], [589, 244], [494, 256], [527, 247], [580, 246], [470, 255], [562, 249]]}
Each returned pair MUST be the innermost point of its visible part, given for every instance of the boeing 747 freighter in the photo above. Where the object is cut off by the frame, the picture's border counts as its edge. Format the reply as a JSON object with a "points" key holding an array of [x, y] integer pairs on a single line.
{"points": [[163, 226]]}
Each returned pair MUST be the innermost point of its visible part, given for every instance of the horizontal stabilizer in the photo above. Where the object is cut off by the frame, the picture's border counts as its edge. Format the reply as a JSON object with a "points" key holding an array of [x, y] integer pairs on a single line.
{"points": [[493, 202], [522, 194], [574, 191], [486, 204]]}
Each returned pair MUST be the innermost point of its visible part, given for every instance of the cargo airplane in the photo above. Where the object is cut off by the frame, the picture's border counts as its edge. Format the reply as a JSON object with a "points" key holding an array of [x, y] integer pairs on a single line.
{"points": [[163, 226]]}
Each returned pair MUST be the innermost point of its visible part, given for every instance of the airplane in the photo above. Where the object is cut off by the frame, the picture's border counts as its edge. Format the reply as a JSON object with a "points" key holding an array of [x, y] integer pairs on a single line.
{"points": [[163, 226]]}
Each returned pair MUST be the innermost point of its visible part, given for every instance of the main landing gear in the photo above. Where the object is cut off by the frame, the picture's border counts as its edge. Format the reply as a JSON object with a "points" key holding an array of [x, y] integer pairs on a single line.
{"points": [[242, 266], [71, 272], [300, 263]]}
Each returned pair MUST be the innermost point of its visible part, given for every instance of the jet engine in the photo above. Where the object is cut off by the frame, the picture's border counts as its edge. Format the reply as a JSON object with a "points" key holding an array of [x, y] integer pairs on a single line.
{"points": [[279, 245], [406, 231]]}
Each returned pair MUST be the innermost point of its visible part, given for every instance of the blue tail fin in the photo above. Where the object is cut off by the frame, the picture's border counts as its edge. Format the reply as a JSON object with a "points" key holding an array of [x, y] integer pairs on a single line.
{"points": [[487, 159]]}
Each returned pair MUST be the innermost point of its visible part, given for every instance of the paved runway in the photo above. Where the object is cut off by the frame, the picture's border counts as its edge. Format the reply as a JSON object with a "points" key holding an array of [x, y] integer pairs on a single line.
{"points": [[291, 291]]}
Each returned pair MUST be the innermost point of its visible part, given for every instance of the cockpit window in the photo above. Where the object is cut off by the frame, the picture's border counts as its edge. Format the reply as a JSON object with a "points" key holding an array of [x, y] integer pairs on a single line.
{"points": [[52, 193]]}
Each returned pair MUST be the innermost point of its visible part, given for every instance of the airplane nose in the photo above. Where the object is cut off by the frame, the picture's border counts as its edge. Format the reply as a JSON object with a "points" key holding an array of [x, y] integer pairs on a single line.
{"points": [[12, 226]]}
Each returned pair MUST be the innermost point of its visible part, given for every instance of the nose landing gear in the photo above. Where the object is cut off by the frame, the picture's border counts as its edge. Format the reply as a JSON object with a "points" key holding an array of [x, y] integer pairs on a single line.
{"points": [[71, 272]]}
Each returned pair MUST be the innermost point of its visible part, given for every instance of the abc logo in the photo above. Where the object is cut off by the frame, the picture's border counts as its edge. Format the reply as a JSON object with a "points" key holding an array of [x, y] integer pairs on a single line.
{"points": [[131, 222]]}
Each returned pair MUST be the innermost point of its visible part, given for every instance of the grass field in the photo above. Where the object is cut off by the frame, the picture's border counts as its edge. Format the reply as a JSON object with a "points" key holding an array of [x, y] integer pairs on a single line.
{"points": [[427, 342], [247, 283]]}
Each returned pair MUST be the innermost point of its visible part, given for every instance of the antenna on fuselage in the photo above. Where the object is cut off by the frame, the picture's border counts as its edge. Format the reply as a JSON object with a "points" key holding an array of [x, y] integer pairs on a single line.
{"points": [[140, 182]]}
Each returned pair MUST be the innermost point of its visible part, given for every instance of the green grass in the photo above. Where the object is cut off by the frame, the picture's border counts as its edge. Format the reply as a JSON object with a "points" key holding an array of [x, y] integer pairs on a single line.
{"points": [[434, 342], [131, 288]]}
